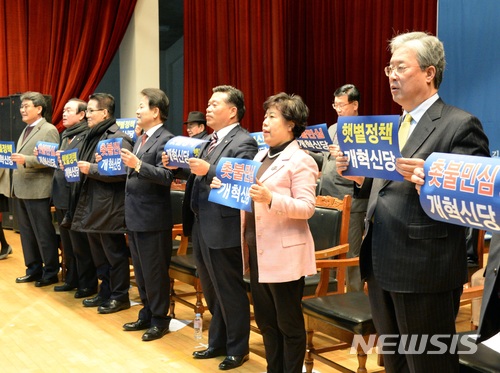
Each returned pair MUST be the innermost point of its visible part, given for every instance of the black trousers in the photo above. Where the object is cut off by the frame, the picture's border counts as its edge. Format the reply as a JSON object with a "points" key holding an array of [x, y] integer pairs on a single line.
{"points": [[151, 253], [278, 313], [38, 237], [111, 259], [419, 315], [221, 276]]}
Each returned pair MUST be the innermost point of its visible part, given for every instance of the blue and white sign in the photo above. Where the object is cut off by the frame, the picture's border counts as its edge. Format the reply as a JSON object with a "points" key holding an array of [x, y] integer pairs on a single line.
{"points": [[111, 163], [259, 137], [315, 138], [47, 153], [127, 126], [371, 143], [462, 190], [6, 150], [180, 148], [69, 159], [237, 176]]}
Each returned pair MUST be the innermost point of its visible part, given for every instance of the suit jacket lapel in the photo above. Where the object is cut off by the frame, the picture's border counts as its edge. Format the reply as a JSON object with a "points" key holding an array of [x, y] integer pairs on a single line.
{"points": [[20, 142]]}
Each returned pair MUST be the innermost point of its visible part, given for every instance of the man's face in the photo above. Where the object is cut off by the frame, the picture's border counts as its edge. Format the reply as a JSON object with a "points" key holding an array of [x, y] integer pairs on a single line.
{"points": [[219, 113], [71, 116], [194, 128], [344, 108], [95, 114], [29, 112], [410, 85]]}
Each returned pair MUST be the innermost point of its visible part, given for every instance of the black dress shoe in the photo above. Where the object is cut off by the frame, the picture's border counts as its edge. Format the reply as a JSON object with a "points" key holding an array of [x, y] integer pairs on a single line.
{"points": [[209, 353], [154, 333], [137, 325], [28, 278], [113, 306], [46, 281], [231, 362], [5, 252], [94, 302], [64, 287], [85, 292]]}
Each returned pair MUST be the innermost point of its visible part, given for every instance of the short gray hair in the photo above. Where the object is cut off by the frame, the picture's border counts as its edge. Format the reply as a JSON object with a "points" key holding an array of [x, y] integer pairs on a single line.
{"points": [[429, 49]]}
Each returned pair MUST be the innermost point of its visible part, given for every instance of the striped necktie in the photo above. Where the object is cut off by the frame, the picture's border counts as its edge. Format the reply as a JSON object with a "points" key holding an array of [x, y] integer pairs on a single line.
{"points": [[213, 142]]}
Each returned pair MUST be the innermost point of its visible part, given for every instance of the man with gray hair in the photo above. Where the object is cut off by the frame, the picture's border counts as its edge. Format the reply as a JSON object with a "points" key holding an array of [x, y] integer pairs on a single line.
{"points": [[415, 267], [31, 188]]}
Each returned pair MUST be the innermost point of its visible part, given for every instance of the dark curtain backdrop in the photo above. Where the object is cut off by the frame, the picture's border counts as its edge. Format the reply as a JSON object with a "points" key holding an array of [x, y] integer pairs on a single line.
{"points": [[58, 47], [307, 47]]}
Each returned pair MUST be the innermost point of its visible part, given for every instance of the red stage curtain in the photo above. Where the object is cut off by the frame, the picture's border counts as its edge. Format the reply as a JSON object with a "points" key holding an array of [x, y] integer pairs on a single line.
{"points": [[241, 43], [58, 47], [307, 47]]}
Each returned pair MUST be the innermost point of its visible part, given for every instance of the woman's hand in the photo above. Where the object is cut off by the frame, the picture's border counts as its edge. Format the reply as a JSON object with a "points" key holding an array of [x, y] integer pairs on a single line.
{"points": [[260, 193]]}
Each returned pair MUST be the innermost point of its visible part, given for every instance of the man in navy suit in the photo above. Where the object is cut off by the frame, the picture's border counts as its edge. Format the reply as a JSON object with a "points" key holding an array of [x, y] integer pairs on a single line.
{"points": [[148, 215], [216, 231], [415, 267]]}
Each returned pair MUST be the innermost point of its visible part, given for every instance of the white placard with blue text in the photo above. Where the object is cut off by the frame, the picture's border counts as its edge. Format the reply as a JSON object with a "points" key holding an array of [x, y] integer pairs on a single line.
{"points": [[180, 148], [69, 159], [111, 163], [237, 176], [463, 190], [6, 150], [371, 143], [47, 153], [315, 138]]}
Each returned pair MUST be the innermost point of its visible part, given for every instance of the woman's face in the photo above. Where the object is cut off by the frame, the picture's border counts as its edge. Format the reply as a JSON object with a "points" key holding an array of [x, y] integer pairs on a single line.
{"points": [[276, 129]]}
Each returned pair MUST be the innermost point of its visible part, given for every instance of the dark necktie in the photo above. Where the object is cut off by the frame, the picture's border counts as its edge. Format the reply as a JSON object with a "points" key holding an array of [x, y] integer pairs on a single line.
{"points": [[213, 142], [27, 132]]}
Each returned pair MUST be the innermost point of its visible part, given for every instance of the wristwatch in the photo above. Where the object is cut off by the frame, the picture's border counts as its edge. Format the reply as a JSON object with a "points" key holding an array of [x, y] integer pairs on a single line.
{"points": [[138, 166]]}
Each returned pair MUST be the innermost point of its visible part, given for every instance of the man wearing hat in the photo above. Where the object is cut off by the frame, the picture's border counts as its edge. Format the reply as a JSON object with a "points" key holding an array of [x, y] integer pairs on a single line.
{"points": [[196, 123]]}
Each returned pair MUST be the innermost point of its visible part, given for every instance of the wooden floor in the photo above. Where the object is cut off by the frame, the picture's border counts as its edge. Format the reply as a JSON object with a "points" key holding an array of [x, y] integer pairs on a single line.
{"points": [[45, 331]]}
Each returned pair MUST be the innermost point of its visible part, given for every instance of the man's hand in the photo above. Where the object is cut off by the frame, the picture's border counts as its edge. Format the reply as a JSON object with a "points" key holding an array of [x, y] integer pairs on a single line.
{"points": [[342, 163], [129, 158], [198, 166], [84, 167], [18, 158], [165, 160], [418, 178], [406, 166]]}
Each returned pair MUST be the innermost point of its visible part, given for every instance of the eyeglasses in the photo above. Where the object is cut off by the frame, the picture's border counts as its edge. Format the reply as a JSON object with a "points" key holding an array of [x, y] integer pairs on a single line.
{"points": [[400, 69], [25, 106], [91, 111], [340, 105]]}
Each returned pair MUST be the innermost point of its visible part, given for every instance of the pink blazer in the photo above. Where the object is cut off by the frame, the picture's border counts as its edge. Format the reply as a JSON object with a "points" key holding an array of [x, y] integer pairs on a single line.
{"points": [[285, 246]]}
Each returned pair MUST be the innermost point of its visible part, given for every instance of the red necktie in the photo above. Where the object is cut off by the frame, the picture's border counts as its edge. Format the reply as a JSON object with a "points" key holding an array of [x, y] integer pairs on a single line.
{"points": [[27, 132]]}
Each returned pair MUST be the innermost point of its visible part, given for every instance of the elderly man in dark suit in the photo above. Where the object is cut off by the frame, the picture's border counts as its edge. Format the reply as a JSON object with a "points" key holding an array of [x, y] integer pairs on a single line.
{"points": [[80, 269], [31, 186], [148, 215], [216, 231], [416, 267]]}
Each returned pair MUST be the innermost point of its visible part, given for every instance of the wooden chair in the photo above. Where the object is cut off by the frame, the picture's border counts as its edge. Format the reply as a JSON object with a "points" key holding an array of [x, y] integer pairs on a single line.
{"points": [[341, 315], [182, 265]]}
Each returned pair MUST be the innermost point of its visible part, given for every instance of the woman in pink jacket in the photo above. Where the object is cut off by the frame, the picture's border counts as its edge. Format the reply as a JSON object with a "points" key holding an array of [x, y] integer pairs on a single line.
{"points": [[278, 247]]}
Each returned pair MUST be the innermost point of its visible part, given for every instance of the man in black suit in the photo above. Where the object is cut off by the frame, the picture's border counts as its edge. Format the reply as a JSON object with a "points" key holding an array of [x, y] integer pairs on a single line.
{"points": [[416, 267], [80, 269], [216, 231], [148, 215]]}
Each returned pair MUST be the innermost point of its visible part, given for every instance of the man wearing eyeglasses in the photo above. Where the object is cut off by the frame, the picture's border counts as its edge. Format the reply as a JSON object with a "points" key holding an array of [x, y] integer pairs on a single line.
{"points": [[346, 103], [31, 187], [415, 267]]}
